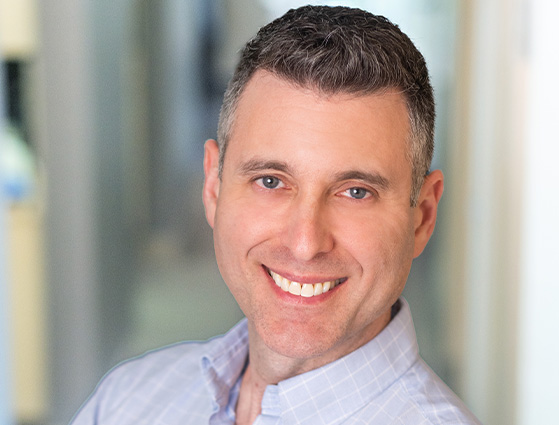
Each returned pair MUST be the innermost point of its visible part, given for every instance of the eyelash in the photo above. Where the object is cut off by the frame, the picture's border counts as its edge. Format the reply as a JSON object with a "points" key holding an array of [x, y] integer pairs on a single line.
{"points": [[347, 193], [260, 182]]}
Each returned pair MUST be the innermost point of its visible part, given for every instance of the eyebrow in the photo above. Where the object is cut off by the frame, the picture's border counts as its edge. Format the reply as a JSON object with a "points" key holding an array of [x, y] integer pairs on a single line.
{"points": [[255, 165], [371, 178]]}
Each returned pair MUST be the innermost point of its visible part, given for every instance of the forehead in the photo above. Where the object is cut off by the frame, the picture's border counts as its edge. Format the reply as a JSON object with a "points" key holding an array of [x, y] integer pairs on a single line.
{"points": [[274, 115]]}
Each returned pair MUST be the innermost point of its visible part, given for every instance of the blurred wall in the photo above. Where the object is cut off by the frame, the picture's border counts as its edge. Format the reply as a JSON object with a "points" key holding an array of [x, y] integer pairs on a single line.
{"points": [[537, 345], [66, 130], [504, 235], [6, 379], [22, 366]]}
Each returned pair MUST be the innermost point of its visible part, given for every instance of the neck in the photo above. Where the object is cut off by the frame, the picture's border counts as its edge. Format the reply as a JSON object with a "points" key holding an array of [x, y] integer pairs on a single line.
{"points": [[267, 367], [250, 397]]}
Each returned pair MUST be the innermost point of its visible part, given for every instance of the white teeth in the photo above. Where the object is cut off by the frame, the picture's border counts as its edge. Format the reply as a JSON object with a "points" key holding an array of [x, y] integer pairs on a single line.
{"points": [[295, 288], [317, 288], [305, 289]]}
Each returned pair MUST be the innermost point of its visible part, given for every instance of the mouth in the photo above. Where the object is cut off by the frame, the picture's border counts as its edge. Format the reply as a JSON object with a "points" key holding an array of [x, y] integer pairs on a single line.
{"points": [[304, 289]]}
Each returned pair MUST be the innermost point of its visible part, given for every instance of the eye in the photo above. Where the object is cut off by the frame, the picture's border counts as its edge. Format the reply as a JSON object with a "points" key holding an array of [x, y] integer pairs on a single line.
{"points": [[269, 182], [357, 193]]}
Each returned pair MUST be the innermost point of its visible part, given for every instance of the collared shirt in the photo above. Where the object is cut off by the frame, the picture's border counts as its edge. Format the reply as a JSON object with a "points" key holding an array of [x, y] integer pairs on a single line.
{"points": [[383, 382]]}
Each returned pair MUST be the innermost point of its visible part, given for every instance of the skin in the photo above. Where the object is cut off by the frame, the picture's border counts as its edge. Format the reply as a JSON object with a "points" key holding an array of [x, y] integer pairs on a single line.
{"points": [[314, 188]]}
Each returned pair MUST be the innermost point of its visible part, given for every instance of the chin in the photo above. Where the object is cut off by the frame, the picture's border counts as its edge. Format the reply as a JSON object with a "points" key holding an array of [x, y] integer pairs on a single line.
{"points": [[299, 342]]}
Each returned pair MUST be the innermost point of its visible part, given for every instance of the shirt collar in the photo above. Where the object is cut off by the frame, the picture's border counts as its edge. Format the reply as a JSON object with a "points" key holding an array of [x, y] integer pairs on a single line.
{"points": [[224, 362]]}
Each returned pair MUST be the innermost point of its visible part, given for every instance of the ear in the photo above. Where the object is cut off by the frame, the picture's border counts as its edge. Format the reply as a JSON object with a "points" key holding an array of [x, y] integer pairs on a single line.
{"points": [[211, 181], [425, 214]]}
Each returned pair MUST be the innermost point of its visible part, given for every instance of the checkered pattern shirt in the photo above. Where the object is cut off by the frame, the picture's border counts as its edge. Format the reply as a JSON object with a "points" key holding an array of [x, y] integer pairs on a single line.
{"points": [[383, 382]]}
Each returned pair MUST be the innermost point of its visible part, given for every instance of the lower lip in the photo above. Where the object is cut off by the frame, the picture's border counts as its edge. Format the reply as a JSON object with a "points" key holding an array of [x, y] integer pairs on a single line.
{"points": [[297, 299]]}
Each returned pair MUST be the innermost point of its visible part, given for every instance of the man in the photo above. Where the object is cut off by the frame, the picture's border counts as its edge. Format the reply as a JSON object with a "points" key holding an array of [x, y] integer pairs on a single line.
{"points": [[319, 195]]}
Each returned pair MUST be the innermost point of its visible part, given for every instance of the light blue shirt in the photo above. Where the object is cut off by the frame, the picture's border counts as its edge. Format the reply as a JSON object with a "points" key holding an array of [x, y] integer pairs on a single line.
{"points": [[383, 382]]}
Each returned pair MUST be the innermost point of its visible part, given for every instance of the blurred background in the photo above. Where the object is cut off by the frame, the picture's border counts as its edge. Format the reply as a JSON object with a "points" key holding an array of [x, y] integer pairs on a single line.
{"points": [[104, 250]]}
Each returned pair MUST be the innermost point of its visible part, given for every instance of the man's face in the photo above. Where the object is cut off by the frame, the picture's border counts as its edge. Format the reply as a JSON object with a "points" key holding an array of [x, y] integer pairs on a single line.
{"points": [[315, 193]]}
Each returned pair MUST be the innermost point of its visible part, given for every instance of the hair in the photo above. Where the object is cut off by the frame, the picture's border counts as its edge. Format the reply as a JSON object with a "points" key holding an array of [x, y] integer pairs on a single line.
{"points": [[340, 50]]}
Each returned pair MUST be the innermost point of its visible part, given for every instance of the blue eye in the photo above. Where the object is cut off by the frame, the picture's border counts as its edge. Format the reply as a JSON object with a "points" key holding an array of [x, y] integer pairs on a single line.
{"points": [[357, 192], [270, 182]]}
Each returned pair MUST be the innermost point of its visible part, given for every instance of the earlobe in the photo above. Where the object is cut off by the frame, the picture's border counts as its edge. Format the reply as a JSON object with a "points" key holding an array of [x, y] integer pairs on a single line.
{"points": [[211, 181], [426, 209]]}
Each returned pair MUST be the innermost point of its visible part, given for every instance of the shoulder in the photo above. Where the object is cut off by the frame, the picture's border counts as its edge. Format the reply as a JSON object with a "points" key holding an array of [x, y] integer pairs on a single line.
{"points": [[423, 396], [135, 388], [168, 385], [418, 397], [432, 398], [178, 362]]}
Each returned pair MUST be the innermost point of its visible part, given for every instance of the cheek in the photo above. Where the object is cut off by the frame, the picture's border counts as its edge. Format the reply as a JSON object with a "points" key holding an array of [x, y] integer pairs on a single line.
{"points": [[384, 253], [240, 225], [246, 220], [382, 244]]}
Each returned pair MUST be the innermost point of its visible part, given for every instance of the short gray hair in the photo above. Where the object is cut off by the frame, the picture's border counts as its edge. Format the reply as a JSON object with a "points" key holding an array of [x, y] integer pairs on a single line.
{"points": [[341, 50]]}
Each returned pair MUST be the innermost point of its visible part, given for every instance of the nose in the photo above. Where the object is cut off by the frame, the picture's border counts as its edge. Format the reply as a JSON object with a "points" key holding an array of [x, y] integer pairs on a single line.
{"points": [[308, 232]]}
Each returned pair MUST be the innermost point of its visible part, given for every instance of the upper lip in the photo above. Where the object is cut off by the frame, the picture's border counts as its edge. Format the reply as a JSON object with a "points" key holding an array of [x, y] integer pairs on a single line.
{"points": [[307, 278]]}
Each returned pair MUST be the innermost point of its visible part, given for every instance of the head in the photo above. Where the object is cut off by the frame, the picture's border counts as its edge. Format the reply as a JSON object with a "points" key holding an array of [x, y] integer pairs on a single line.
{"points": [[308, 192], [339, 50]]}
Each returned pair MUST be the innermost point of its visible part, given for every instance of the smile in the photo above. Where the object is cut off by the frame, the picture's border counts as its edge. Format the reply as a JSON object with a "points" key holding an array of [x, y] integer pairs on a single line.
{"points": [[304, 289]]}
